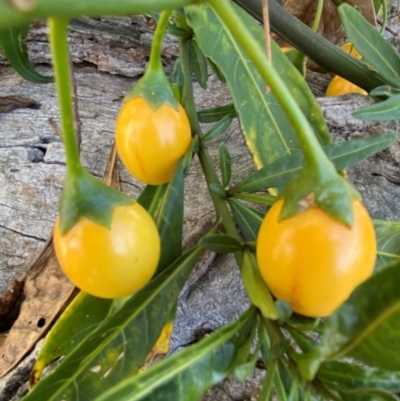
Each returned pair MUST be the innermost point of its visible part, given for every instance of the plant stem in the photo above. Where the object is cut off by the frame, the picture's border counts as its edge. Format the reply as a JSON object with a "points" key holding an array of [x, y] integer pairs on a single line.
{"points": [[385, 16], [265, 393], [313, 152], [155, 55], [205, 160], [279, 387], [318, 14], [11, 15], [61, 65]]}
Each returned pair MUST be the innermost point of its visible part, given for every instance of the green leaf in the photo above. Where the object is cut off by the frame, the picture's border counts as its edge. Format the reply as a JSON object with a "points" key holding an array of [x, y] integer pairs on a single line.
{"points": [[225, 164], [256, 288], [178, 31], [342, 375], [388, 236], [169, 219], [268, 132], [248, 219], [216, 113], [155, 88], [259, 199], [121, 343], [84, 195], [220, 243], [218, 189], [178, 77], [342, 154], [385, 91], [371, 45], [16, 52], [367, 325], [186, 375], [81, 318], [370, 394], [382, 111], [215, 69], [151, 197], [198, 64], [217, 129]]}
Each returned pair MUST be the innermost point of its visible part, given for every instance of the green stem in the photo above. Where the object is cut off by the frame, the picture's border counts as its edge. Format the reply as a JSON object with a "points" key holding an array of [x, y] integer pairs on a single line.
{"points": [[155, 55], [10, 15], [318, 14], [313, 152], [58, 28], [385, 16], [204, 157], [265, 393], [280, 389]]}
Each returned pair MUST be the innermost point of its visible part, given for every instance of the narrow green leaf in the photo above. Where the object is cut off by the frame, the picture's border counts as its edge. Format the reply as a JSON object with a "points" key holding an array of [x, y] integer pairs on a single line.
{"points": [[220, 243], [388, 236], [178, 31], [216, 113], [15, 49], [342, 154], [121, 343], [269, 135], [367, 323], [371, 45], [256, 288], [225, 164], [215, 69], [370, 394], [186, 375], [218, 189], [81, 318], [198, 64], [151, 196], [384, 90], [217, 129], [248, 219], [259, 199], [178, 77], [382, 111], [169, 219], [342, 375]]}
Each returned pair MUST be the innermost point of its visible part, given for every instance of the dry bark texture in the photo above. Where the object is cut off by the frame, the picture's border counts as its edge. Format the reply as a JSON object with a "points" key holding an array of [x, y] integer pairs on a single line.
{"points": [[108, 55]]}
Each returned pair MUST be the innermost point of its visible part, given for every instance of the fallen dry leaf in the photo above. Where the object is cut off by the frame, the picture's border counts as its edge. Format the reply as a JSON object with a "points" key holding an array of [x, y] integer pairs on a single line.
{"points": [[47, 292], [9, 298]]}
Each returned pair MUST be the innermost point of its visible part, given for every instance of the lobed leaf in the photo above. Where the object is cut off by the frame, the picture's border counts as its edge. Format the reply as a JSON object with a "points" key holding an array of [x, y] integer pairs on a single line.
{"points": [[371, 45], [382, 111], [367, 322], [342, 154], [388, 236], [186, 375], [14, 47], [121, 343]]}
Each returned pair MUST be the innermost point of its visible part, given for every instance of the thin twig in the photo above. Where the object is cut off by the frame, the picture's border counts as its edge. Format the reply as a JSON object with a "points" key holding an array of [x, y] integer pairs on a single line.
{"points": [[267, 33], [55, 127]]}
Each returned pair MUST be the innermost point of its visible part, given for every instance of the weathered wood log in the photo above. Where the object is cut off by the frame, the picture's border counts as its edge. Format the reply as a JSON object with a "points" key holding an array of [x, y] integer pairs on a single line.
{"points": [[108, 54]]}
